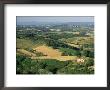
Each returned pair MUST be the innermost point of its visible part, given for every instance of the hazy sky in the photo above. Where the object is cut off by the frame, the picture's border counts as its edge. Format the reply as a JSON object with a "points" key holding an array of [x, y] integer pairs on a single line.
{"points": [[55, 19]]}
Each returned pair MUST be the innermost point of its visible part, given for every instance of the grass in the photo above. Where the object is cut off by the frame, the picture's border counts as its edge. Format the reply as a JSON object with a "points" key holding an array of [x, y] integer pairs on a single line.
{"points": [[25, 52], [24, 43], [60, 58], [28, 43], [80, 40], [48, 51], [52, 54]]}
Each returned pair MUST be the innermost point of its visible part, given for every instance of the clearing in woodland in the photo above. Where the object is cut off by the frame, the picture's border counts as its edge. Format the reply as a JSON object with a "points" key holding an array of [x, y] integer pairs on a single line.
{"points": [[52, 54]]}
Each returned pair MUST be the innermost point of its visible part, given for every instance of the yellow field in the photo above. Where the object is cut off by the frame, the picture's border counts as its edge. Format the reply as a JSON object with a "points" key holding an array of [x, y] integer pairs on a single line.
{"points": [[52, 54], [48, 51], [61, 58]]}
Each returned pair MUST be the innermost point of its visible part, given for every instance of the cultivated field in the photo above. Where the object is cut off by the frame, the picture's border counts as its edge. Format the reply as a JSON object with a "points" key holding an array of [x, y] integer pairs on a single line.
{"points": [[49, 53]]}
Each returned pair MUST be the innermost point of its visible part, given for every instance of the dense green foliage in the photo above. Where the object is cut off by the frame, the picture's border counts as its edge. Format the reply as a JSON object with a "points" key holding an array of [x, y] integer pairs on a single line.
{"points": [[87, 53], [28, 66], [70, 52], [70, 41]]}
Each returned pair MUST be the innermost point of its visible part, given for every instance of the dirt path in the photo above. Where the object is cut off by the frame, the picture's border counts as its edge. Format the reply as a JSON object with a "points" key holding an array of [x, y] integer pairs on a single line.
{"points": [[60, 58]]}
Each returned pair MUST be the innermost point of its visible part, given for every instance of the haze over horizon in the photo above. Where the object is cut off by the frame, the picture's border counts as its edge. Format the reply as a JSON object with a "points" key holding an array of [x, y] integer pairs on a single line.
{"points": [[54, 19]]}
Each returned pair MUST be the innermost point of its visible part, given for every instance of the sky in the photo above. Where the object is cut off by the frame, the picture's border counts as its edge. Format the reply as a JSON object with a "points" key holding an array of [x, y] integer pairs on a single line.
{"points": [[22, 19]]}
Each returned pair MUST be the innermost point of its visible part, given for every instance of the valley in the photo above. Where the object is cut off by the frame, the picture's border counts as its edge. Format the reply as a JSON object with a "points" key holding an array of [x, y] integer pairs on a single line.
{"points": [[55, 48]]}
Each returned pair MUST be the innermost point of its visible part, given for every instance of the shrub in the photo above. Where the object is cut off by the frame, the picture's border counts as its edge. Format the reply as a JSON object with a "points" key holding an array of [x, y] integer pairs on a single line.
{"points": [[51, 66]]}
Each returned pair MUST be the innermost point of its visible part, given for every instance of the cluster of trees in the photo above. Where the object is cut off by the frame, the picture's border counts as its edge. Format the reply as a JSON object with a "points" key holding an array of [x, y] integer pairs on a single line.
{"points": [[91, 45], [64, 48], [87, 53], [56, 44], [57, 36], [26, 65], [73, 52], [69, 52]]}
